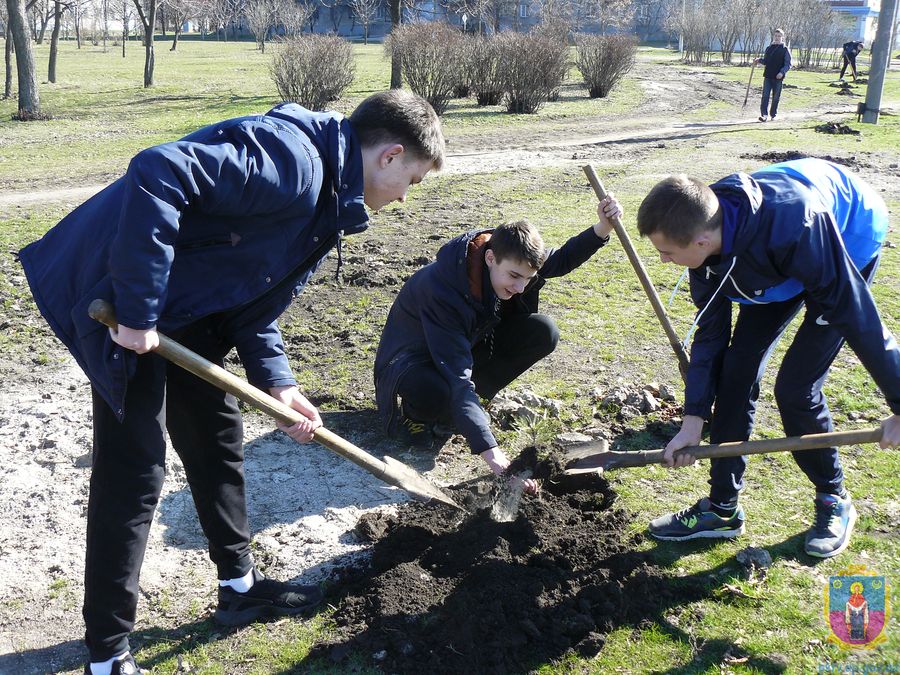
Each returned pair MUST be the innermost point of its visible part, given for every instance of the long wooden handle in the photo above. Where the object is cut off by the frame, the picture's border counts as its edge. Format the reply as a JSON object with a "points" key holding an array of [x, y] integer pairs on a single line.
{"points": [[738, 448], [169, 349], [747, 95], [638, 266]]}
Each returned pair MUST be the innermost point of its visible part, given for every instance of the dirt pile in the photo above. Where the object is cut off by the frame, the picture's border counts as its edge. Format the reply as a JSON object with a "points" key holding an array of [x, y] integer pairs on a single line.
{"points": [[836, 128], [789, 155], [449, 592]]}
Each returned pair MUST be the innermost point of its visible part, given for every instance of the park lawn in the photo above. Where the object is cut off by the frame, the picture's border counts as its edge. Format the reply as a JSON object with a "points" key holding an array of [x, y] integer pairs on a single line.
{"points": [[604, 319]]}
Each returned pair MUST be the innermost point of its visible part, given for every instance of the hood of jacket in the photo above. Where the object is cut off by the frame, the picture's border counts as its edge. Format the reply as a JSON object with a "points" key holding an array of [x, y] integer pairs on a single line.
{"points": [[337, 142]]}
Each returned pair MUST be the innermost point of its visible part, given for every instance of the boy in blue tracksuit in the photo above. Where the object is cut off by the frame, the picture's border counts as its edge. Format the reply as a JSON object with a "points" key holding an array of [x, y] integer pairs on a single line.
{"points": [[208, 239], [800, 234], [466, 325]]}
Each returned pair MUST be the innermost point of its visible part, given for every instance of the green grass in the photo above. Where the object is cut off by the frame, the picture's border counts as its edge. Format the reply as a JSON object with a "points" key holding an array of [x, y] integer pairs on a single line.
{"points": [[102, 116]]}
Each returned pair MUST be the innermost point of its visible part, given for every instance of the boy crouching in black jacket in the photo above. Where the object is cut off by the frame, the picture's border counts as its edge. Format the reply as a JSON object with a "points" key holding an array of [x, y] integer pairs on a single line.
{"points": [[467, 324]]}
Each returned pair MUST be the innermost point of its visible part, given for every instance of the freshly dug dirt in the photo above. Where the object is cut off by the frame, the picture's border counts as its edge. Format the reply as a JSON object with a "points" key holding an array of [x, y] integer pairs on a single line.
{"points": [[787, 156], [836, 128], [451, 592]]}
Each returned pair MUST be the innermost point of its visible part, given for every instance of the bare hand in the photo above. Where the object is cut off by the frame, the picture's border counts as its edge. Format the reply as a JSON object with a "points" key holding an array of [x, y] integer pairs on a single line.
{"points": [[607, 210], [890, 432], [302, 431], [136, 339], [690, 434], [499, 463], [779, 76]]}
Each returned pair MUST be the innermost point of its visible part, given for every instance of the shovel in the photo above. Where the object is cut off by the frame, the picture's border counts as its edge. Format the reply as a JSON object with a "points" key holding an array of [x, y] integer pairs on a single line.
{"points": [[596, 456], [747, 95], [641, 271], [389, 470]]}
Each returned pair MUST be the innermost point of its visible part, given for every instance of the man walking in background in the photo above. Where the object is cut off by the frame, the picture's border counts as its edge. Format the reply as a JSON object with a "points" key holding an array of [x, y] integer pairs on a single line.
{"points": [[777, 61]]}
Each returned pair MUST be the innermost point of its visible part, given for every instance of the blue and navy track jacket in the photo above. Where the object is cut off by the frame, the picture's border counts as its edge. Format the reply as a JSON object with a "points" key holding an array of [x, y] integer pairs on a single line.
{"points": [[801, 226]]}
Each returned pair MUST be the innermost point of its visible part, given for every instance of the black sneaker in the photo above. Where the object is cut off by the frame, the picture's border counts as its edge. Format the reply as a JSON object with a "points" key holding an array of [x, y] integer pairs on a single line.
{"points": [[698, 522], [830, 533], [266, 598], [124, 665], [414, 433]]}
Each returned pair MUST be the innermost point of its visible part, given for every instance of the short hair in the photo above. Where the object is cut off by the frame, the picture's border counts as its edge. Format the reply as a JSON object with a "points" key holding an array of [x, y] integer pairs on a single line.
{"points": [[679, 207], [778, 30], [519, 240], [400, 116]]}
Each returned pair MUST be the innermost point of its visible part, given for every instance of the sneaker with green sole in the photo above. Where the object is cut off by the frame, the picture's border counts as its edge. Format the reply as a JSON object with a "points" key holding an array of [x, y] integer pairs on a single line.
{"points": [[698, 522], [830, 533]]}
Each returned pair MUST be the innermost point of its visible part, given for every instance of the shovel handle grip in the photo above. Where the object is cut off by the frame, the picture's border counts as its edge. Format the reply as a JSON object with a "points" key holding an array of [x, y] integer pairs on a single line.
{"points": [[644, 278]]}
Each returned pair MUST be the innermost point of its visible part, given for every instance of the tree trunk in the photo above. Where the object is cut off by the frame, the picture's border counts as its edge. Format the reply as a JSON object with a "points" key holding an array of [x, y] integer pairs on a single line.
{"points": [[77, 15], [148, 20], [29, 98], [175, 40], [124, 25], [7, 87], [54, 42], [396, 20]]}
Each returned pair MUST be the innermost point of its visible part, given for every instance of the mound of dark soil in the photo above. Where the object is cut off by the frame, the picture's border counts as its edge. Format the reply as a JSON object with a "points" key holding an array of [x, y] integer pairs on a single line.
{"points": [[836, 128], [790, 155], [450, 592]]}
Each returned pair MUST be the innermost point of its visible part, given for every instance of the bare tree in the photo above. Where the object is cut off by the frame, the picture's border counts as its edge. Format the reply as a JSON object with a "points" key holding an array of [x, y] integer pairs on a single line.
{"points": [[41, 13], [261, 16], [294, 16], [29, 98], [606, 14], [146, 10], [7, 82], [179, 12], [365, 12], [58, 9], [396, 20], [727, 29]]}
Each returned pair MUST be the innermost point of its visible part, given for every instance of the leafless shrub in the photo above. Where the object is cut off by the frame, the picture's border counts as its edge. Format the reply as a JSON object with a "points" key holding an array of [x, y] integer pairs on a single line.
{"points": [[603, 60], [556, 33], [431, 57], [529, 69], [483, 63], [313, 70]]}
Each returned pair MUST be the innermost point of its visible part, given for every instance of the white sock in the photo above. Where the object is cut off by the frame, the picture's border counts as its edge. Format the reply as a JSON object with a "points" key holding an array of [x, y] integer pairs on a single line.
{"points": [[240, 584], [104, 667]]}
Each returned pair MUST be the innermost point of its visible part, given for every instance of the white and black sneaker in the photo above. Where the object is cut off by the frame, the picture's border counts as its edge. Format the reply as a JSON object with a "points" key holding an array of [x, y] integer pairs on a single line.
{"points": [[122, 665]]}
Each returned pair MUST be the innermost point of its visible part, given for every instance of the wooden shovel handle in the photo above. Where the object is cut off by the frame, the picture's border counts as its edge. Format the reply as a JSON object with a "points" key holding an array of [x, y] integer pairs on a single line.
{"points": [[738, 448], [638, 266], [169, 349]]}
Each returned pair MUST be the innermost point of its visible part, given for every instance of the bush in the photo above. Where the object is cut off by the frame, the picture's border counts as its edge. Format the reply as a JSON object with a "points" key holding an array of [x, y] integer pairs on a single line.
{"points": [[313, 70], [604, 60], [530, 68], [482, 66], [431, 59]]}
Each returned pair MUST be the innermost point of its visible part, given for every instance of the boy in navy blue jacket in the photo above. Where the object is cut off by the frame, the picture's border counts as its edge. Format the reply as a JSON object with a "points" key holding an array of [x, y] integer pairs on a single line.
{"points": [[207, 239], [802, 234], [467, 324]]}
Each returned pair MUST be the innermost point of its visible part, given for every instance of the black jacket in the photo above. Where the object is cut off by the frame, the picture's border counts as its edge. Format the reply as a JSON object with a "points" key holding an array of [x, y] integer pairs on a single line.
{"points": [[777, 59], [437, 319]]}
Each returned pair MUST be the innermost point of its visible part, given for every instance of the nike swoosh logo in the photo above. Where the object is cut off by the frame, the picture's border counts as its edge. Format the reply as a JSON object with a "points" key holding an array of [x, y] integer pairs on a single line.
{"points": [[821, 320]]}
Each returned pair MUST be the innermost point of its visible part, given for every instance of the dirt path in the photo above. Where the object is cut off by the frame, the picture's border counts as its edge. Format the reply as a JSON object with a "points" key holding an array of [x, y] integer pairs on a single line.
{"points": [[667, 97]]}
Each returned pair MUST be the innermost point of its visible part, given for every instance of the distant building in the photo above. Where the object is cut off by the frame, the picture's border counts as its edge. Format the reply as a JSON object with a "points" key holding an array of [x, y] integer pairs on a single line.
{"points": [[864, 14]]}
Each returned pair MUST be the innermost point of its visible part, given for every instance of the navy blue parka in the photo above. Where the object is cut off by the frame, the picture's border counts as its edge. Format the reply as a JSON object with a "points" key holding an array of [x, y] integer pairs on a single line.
{"points": [[233, 218]]}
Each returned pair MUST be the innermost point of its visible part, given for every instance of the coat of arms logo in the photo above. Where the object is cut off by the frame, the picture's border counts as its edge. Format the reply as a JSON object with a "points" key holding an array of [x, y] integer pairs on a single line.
{"points": [[857, 608]]}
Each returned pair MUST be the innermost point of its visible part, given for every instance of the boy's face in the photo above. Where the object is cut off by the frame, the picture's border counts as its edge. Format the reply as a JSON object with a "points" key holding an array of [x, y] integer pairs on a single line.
{"points": [[693, 255], [509, 277], [388, 172]]}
